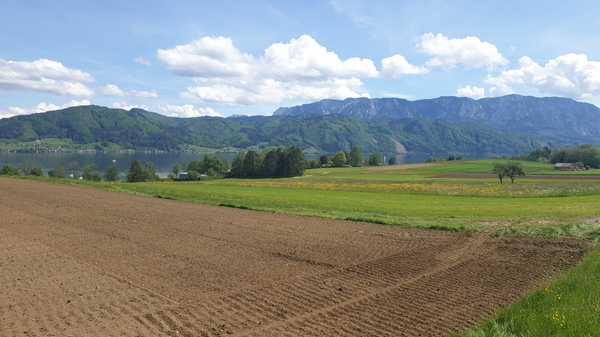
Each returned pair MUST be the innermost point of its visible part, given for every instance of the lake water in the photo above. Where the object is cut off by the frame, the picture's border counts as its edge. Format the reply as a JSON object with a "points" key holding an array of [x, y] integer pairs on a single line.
{"points": [[162, 162]]}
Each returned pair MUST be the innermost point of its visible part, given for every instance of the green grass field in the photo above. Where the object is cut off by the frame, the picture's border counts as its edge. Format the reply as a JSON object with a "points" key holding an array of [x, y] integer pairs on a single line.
{"points": [[486, 165], [412, 198]]}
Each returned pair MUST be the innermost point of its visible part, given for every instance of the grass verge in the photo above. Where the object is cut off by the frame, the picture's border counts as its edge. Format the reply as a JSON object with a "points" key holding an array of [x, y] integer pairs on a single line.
{"points": [[568, 307]]}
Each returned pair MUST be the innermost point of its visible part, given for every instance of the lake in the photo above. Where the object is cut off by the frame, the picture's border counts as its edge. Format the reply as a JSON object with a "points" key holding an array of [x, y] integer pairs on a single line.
{"points": [[162, 162]]}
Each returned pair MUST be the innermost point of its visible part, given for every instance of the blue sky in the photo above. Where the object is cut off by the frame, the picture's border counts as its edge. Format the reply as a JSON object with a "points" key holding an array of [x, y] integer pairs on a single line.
{"points": [[193, 58]]}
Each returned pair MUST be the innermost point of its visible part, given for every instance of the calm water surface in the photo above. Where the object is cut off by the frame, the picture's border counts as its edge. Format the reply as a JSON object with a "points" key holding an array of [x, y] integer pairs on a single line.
{"points": [[162, 162]]}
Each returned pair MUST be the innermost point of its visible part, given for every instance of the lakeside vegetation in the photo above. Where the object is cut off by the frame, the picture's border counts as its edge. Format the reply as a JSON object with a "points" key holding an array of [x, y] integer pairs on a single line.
{"points": [[412, 197]]}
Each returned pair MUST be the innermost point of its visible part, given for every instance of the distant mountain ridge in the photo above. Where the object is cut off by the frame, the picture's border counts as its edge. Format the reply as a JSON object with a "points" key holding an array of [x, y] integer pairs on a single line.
{"points": [[555, 119], [142, 130]]}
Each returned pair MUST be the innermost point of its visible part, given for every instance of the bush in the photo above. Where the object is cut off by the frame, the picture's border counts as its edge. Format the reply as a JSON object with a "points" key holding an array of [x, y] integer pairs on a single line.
{"points": [[9, 171], [192, 175], [375, 159], [36, 171]]}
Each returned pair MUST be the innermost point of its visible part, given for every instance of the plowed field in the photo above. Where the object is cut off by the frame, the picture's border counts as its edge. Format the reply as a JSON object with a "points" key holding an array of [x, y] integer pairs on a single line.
{"points": [[82, 262]]}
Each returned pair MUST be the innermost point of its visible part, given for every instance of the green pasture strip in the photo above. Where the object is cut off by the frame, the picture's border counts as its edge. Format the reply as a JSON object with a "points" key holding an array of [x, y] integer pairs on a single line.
{"points": [[429, 211], [486, 165], [483, 166], [568, 173], [411, 184], [569, 306]]}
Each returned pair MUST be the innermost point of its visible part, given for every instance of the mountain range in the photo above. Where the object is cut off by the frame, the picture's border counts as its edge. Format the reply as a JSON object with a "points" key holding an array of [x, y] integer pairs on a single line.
{"points": [[561, 120], [100, 128]]}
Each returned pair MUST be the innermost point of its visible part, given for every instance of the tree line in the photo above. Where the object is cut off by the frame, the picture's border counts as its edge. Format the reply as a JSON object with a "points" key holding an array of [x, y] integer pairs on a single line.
{"points": [[271, 162], [586, 154], [274, 162]]}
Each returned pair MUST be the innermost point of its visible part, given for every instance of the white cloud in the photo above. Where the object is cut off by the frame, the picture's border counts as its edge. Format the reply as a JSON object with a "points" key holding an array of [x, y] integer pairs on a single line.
{"points": [[468, 91], [188, 110], [143, 94], [501, 90], [112, 90], [208, 57], [123, 105], [42, 107], [305, 59], [143, 61], [44, 76], [470, 51], [394, 66], [570, 75], [301, 69]]}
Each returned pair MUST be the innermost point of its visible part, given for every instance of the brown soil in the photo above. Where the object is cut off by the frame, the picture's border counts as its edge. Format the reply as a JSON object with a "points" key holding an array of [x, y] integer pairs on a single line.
{"points": [[83, 262], [542, 177]]}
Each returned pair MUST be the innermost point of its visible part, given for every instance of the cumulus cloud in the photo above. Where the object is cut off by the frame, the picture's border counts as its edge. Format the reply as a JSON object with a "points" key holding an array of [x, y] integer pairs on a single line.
{"points": [[470, 51], [570, 75], [112, 90], [501, 90], [41, 107], [397, 65], [468, 91], [143, 61], [44, 76], [143, 94], [188, 110], [125, 106], [301, 69]]}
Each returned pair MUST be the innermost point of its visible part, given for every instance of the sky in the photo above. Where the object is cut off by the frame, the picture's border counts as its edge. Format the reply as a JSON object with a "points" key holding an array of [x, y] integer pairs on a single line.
{"points": [[185, 58]]}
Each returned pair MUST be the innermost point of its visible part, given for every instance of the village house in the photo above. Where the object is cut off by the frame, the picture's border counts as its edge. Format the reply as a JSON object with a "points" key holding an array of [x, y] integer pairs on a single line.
{"points": [[565, 166]]}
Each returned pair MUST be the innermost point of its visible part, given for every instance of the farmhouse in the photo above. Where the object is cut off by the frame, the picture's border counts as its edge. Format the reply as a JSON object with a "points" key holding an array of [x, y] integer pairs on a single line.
{"points": [[565, 166]]}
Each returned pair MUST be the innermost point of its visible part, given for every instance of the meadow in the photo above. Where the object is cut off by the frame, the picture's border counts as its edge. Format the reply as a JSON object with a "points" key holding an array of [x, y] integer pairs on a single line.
{"points": [[567, 307]]}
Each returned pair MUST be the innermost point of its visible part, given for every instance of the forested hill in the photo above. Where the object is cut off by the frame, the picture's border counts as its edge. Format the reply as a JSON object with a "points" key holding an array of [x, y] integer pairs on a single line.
{"points": [[561, 120], [143, 130]]}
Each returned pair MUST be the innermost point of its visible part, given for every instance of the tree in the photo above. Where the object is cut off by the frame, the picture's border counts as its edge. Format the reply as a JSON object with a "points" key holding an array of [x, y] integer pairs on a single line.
{"points": [[355, 157], [225, 162], [9, 170], [450, 157], [500, 169], [111, 174], [149, 172], [269, 164], [313, 164], [347, 154], [508, 169], [195, 165], [237, 167], [294, 163], [214, 163], [25, 167], [135, 173], [514, 169], [60, 172], [375, 159], [323, 160], [192, 175], [339, 159], [393, 161], [176, 169], [73, 169], [248, 164], [89, 174]]}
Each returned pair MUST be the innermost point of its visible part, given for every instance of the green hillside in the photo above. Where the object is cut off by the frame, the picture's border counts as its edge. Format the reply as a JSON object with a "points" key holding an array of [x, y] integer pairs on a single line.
{"points": [[105, 128]]}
